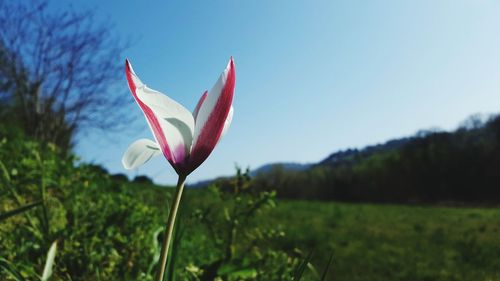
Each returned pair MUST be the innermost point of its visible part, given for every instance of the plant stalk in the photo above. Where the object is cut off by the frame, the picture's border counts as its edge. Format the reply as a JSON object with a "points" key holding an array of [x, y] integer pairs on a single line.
{"points": [[43, 194], [169, 228]]}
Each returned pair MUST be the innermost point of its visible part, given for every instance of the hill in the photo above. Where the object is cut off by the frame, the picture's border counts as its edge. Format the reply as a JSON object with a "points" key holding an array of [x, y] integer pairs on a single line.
{"points": [[350, 156], [287, 166], [430, 167]]}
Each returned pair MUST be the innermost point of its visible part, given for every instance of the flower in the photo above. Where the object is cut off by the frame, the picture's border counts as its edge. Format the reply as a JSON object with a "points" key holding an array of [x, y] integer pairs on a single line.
{"points": [[186, 139]]}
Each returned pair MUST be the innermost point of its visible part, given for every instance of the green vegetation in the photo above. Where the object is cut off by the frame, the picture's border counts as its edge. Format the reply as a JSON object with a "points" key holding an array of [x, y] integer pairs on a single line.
{"points": [[107, 228], [430, 167], [104, 230], [393, 242], [65, 220]]}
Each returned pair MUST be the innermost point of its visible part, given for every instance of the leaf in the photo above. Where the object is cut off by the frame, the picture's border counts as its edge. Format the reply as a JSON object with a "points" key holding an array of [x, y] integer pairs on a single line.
{"points": [[19, 210], [237, 271], [11, 270], [327, 266], [302, 267], [245, 273], [5, 171], [156, 247], [174, 250], [51, 255]]}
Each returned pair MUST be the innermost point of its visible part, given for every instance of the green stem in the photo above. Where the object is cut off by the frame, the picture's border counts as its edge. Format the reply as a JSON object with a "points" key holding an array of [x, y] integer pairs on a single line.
{"points": [[45, 213], [20, 202], [169, 228]]}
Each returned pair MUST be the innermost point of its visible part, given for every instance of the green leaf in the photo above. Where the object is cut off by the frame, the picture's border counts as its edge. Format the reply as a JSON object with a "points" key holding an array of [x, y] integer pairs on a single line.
{"points": [[5, 171], [174, 250], [19, 210], [156, 247], [5, 264], [244, 273], [51, 255], [327, 266], [302, 267], [237, 271]]}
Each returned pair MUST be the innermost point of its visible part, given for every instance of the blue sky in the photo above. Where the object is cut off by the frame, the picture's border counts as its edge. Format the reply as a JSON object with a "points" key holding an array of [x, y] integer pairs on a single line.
{"points": [[313, 77]]}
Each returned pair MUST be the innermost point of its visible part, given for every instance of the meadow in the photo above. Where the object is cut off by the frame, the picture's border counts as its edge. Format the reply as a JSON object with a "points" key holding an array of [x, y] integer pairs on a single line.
{"points": [[109, 228], [388, 242], [393, 242], [368, 241]]}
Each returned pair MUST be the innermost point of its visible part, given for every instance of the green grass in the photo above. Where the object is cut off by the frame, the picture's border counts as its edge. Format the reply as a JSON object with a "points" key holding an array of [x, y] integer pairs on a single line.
{"points": [[391, 242], [106, 229], [383, 242], [369, 241]]}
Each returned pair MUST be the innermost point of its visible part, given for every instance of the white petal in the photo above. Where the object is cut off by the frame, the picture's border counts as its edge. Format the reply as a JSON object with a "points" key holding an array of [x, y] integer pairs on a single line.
{"points": [[198, 105], [176, 123], [229, 119], [213, 117], [139, 153], [218, 93]]}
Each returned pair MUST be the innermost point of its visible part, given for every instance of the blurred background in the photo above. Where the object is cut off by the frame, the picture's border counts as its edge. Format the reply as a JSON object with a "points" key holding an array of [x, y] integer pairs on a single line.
{"points": [[368, 132]]}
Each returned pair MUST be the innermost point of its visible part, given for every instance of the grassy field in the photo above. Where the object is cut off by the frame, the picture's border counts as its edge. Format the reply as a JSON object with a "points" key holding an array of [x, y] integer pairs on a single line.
{"points": [[369, 242], [382, 242], [390, 242], [108, 228]]}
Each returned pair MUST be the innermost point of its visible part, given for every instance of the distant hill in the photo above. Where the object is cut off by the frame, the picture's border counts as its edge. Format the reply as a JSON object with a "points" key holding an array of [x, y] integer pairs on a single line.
{"points": [[287, 166], [431, 166], [350, 156], [204, 183]]}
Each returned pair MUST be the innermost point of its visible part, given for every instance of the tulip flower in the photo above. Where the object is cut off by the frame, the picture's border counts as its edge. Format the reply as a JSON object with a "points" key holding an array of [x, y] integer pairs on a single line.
{"points": [[185, 139]]}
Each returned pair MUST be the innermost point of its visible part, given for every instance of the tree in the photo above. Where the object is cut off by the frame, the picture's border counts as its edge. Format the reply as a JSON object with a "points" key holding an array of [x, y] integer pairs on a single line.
{"points": [[56, 71]]}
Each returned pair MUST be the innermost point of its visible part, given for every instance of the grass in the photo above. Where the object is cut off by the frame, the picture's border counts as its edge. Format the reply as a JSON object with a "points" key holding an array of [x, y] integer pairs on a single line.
{"points": [[369, 242], [392, 242], [387, 242], [384, 242], [106, 229]]}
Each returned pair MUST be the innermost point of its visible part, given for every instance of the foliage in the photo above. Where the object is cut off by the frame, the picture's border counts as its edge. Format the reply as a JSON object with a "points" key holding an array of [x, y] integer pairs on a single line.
{"points": [[431, 167], [108, 229], [373, 242], [104, 231], [236, 246]]}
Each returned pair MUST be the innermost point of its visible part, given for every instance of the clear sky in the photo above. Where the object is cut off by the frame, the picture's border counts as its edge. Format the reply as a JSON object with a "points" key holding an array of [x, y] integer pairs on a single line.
{"points": [[313, 76]]}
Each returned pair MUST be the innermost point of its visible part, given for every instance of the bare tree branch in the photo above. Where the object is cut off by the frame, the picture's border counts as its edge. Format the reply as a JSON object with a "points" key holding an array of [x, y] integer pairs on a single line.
{"points": [[56, 70]]}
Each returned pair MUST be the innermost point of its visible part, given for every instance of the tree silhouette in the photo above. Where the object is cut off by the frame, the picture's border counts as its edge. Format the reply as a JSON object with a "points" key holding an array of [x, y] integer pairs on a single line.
{"points": [[56, 71]]}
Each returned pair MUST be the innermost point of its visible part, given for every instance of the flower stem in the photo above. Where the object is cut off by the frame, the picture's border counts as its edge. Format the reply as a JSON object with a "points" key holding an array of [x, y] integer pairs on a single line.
{"points": [[169, 228]]}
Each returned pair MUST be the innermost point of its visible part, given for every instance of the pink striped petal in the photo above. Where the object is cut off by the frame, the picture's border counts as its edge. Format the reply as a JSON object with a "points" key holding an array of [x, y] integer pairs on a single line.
{"points": [[212, 116], [172, 124], [200, 102]]}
